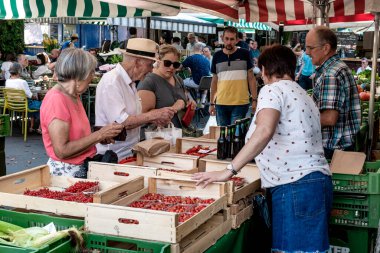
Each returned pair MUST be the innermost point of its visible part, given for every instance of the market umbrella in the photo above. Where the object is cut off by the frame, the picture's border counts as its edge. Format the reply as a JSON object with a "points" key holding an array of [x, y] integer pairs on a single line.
{"points": [[166, 9], [24, 9]]}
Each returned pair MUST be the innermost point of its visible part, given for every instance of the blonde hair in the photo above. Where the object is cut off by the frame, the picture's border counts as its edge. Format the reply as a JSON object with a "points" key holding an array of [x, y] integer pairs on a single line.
{"points": [[167, 49]]}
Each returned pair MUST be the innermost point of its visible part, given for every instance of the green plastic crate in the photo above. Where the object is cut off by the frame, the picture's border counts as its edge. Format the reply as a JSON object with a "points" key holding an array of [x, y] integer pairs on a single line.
{"points": [[5, 125], [114, 244], [366, 183], [356, 210], [37, 220], [352, 240]]}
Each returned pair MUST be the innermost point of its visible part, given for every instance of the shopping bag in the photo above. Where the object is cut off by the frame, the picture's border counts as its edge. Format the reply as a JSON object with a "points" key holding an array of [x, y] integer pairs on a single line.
{"points": [[188, 117], [170, 134], [211, 122]]}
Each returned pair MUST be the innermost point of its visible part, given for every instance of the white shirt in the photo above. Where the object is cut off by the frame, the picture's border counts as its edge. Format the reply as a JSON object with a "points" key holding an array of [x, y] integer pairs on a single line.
{"points": [[360, 69], [5, 69], [19, 84], [41, 70], [179, 47], [116, 99], [296, 147]]}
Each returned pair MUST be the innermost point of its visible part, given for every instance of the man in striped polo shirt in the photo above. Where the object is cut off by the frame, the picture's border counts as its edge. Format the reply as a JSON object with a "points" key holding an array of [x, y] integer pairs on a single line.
{"points": [[232, 81]]}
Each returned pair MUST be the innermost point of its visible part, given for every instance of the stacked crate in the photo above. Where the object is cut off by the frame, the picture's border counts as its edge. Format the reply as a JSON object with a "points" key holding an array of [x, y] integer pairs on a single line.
{"points": [[356, 209]]}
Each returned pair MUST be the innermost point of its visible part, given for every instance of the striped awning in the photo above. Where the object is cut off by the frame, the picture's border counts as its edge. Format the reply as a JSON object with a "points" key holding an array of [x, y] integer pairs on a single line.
{"points": [[289, 10], [24, 9], [249, 25]]}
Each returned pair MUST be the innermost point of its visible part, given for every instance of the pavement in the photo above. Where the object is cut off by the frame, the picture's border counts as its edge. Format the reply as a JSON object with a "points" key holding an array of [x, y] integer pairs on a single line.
{"points": [[20, 155]]}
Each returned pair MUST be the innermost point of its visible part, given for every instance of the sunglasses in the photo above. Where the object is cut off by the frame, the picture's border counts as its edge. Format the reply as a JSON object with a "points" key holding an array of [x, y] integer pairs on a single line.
{"points": [[168, 63]]}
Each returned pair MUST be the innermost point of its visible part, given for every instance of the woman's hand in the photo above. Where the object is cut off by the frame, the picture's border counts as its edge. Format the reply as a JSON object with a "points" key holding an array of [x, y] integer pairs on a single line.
{"points": [[193, 104], [179, 105], [108, 132], [208, 177]]}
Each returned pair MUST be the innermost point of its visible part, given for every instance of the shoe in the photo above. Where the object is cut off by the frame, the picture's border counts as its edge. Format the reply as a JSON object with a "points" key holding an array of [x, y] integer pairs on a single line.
{"points": [[31, 130], [39, 131]]}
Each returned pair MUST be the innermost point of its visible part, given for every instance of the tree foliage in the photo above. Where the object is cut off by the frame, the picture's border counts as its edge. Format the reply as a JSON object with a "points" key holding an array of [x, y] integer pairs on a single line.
{"points": [[12, 36]]}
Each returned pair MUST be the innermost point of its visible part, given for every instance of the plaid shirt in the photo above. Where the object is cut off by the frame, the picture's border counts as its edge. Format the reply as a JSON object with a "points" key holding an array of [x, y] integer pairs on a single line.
{"points": [[335, 89]]}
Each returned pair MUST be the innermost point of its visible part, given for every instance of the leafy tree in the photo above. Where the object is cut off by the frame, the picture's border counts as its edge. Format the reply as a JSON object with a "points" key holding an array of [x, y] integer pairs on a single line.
{"points": [[12, 36]]}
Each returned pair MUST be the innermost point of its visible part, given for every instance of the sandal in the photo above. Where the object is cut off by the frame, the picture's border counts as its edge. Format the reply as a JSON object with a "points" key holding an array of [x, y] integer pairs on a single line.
{"points": [[31, 130], [39, 131]]}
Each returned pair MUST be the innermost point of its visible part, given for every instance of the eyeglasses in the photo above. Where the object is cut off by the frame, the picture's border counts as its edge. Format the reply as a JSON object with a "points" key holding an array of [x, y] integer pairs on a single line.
{"points": [[311, 48], [168, 63]]}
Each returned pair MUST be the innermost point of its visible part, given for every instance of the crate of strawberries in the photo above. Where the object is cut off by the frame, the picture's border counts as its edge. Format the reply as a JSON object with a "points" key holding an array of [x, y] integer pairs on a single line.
{"points": [[166, 211], [36, 189]]}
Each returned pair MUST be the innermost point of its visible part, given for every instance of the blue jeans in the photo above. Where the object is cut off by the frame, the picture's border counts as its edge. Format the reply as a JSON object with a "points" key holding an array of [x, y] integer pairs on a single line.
{"points": [[227, 114], [301, 213]]}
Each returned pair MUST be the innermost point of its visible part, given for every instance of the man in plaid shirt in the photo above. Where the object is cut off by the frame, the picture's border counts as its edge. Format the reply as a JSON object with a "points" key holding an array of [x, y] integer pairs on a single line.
{"points": [[335, 92]]}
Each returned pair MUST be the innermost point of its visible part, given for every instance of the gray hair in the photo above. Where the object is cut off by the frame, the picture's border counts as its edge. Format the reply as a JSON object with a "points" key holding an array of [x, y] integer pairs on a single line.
{"points": [[15, 69], [74, 64], [198, 47]]}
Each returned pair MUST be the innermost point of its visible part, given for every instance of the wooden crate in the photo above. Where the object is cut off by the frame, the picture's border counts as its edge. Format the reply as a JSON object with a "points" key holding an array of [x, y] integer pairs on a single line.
{"points": [[152, 224], [114, 172], [169, 161], [214, 133], [250, 173], [184, 144], [12, 187], [205, 235], [242, 216]]}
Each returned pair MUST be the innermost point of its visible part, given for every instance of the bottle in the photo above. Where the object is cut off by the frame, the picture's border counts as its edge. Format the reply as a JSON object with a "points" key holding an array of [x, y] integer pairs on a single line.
{"points": [[236, 143], [243, 130], [221, 150], [232, 133], [228, 141]]}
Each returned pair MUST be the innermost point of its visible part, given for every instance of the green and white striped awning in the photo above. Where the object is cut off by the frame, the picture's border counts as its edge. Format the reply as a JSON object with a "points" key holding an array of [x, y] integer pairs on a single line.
{"points": [[249, 25], [26, 9]]}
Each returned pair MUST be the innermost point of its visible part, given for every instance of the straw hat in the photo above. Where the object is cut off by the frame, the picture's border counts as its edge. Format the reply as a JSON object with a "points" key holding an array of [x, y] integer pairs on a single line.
{"points": [[140, 47], [75, 35]]}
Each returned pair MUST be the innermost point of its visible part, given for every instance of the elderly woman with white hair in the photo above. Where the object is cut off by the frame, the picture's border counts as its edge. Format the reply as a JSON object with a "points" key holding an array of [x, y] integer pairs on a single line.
{"points": [[66, 129]]}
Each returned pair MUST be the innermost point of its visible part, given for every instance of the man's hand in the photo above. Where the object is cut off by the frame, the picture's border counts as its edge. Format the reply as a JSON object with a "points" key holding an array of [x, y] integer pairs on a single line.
{"points": [[254, 105], [212, 110], [163, 116]]}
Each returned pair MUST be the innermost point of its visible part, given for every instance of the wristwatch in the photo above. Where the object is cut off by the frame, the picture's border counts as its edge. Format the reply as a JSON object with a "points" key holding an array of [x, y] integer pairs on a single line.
{"points": [[231, 168]]}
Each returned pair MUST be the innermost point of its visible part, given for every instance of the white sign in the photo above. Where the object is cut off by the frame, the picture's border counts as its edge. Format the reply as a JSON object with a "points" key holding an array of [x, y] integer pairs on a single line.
{"points": [[337, 249]]}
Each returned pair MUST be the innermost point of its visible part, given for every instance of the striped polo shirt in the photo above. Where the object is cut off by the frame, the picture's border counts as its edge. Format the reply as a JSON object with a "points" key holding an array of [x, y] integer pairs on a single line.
{"points": [[232, 77]]}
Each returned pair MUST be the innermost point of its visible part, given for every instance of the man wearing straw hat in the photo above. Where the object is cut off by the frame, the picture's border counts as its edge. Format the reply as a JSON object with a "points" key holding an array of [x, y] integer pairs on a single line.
{"points": [[117, 99]]}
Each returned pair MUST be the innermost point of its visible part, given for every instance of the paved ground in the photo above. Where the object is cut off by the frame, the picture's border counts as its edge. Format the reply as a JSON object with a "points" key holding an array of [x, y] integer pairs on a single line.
{"points": [[22, 155]]}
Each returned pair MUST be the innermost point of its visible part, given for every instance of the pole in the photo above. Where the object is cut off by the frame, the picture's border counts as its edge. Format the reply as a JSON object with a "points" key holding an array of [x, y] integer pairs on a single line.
{"points": [[373, 84], [148, 28]]}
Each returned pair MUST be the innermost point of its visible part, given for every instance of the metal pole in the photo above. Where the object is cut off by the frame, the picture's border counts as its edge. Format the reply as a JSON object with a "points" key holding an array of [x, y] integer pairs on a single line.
{"points": [[148, 28], [373, 84]]}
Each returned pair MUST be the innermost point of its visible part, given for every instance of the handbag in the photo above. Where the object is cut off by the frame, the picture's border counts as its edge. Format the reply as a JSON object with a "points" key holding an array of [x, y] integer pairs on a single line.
{"points": [[188, 117]]}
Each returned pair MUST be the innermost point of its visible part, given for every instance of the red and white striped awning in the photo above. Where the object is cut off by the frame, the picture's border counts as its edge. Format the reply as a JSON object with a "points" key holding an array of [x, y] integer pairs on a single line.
{"points": [[290, 10]]}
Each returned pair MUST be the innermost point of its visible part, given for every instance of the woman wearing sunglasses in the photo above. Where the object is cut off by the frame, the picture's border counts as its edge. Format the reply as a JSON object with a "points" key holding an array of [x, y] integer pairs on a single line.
{"points": [[162, 87]]}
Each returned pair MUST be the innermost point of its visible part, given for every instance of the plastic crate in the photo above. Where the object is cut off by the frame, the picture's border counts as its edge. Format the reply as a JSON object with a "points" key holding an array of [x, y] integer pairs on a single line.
{"points": [[114, 244], [37, 220], [352, 240], [366, 183], [5, 125], [356, 210]]}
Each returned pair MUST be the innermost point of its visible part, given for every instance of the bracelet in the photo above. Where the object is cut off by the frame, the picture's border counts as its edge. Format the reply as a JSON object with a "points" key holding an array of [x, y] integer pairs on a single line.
{"points": [[254, 99], [212, 104]]}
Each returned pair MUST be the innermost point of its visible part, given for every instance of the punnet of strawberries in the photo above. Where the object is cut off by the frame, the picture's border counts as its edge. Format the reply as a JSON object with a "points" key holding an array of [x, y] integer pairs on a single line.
{"points": [[200, 151]]}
